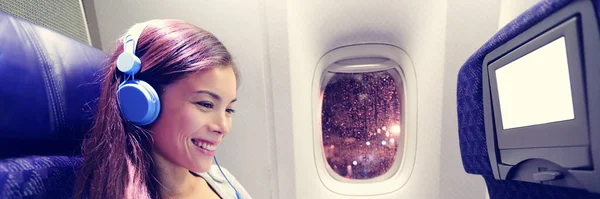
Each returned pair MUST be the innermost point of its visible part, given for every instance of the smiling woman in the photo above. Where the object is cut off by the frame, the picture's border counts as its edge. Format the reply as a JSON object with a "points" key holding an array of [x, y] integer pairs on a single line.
{"points": [[196, 116], [161, 116]]}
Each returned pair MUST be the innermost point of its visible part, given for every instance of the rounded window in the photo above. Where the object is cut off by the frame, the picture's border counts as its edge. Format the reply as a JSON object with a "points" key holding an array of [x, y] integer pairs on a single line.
{"points": [[361, 119], [364, 119]]}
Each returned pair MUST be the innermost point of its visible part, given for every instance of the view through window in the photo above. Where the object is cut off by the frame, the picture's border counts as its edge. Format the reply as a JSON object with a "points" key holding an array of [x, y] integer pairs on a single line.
{"points": [[361, 124]]}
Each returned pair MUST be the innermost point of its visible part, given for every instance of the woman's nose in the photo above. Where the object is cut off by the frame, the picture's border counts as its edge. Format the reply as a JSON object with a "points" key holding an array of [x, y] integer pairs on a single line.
{"points": [[219, 124]]}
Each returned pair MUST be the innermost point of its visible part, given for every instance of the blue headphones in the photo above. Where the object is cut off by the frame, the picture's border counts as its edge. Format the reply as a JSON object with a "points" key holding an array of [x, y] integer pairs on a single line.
{"points": [[138, 101]]}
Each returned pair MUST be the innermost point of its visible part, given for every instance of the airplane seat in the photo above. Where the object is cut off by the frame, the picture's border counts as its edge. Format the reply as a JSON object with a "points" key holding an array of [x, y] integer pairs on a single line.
{"points": [[557, 159], [47, 95]]}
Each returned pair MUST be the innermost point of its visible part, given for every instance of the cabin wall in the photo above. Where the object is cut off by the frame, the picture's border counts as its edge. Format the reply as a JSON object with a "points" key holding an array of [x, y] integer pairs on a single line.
{"points": [[277, 39], [418, 27], [509, 9], [470, 25], [277, 45]]}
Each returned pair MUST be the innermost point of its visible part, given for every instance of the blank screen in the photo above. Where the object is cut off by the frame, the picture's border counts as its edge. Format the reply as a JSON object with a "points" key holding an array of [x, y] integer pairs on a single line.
{"points": [[536, 89]]}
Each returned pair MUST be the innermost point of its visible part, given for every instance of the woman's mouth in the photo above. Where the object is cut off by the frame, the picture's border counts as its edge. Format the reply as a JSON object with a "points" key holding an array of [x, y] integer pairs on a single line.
{"points": [[206, 147]]}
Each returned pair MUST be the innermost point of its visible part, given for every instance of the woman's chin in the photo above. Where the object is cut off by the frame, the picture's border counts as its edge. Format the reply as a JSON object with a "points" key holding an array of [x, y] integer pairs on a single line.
{"points": [[201, 167]]}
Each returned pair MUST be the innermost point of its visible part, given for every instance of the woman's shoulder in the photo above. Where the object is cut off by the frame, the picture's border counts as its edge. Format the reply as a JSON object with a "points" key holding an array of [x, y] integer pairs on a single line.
{"points": [[220, 176]]}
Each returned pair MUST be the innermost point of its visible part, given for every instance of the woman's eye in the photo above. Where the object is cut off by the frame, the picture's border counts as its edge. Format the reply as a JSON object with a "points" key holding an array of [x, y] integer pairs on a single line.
{"points": [[230, 111], [205, 104]]}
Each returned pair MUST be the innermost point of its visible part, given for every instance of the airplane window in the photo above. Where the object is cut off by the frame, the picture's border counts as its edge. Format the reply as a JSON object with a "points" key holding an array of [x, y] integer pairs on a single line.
{"points": [[361, 124]]}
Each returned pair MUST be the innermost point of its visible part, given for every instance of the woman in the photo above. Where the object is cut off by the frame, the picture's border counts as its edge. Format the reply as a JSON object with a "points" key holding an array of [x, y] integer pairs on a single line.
{"points": [[159, 122]]}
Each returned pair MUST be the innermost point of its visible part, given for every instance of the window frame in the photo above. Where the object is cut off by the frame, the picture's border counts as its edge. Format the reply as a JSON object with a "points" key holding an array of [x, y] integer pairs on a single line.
{"points": [[401, 170]]}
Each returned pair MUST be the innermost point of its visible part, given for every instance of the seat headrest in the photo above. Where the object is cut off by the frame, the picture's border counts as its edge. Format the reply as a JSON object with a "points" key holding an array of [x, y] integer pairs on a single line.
{"points": [[479, 149], [469, 91], [47, 89]]}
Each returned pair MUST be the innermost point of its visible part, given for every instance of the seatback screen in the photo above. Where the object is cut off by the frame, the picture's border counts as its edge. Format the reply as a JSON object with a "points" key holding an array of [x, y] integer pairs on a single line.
{"points": [[536, 89]]}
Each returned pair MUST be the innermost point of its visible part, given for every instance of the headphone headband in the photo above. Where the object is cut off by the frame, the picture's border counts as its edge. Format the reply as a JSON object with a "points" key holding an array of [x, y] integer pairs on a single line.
{"points": [[133, 34], [128, 62]]}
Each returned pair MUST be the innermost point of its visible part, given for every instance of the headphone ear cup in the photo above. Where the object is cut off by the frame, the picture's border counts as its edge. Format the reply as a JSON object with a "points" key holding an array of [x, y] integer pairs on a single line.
{"points": [[138, 102]]}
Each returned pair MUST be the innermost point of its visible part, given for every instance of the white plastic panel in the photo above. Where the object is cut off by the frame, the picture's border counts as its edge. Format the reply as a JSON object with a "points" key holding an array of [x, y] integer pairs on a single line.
{"points": [[417, 27]]}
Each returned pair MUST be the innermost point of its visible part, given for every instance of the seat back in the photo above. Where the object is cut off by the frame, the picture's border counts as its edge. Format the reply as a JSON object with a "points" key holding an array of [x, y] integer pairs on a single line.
{"points": [[498, 154], [48, 89]]}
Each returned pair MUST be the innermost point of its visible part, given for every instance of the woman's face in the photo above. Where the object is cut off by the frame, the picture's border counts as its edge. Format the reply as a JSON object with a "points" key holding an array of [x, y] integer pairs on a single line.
{"points": [[195, 116]]}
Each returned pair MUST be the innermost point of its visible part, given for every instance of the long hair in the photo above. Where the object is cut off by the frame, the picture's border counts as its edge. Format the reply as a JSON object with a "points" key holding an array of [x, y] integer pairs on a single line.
{"points": [[117, 153]]}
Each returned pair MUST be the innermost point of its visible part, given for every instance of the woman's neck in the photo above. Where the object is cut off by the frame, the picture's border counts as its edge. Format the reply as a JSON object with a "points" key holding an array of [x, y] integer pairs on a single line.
{"points": [[176, 181]]}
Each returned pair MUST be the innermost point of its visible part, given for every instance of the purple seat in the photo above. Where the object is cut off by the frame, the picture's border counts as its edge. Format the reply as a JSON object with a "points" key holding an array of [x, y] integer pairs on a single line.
{"points": [[472, 120], [47, 97]]}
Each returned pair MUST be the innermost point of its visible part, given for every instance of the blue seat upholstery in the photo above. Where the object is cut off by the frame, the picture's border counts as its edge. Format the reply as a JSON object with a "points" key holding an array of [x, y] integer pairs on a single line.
{"points": [[470, 108], [47, 93]]}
